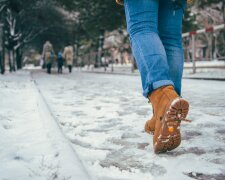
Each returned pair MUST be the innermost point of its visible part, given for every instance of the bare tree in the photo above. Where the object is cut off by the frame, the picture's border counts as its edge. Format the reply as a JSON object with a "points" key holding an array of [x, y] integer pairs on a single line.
{"points": [[24, 20]]}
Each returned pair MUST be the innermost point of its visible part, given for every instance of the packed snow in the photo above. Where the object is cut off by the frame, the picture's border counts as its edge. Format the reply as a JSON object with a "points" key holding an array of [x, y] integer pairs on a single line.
{"points": [[103, 117], [32, 145]]}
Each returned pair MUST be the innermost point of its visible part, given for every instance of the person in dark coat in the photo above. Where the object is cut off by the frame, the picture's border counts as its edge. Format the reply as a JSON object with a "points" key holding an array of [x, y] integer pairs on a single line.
{"points": [[49, 62], [60, 62]]}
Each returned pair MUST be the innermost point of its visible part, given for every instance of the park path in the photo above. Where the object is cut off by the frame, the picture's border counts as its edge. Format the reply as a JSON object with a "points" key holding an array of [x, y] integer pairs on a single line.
{"points": [[32, 143], [103, 117]]}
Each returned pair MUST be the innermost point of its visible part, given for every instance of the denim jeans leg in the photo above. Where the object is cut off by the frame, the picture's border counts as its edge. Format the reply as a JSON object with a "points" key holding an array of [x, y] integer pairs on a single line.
{"points": [[170, 32], [148, 50]]}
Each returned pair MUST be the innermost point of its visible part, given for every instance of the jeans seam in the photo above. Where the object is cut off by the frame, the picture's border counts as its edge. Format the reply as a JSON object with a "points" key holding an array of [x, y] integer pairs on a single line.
{"points": [[127, 9], [142, 55]]}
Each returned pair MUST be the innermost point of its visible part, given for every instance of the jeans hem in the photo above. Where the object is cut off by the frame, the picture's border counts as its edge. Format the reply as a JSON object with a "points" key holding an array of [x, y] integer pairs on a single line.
{"points": [[155, 86]]}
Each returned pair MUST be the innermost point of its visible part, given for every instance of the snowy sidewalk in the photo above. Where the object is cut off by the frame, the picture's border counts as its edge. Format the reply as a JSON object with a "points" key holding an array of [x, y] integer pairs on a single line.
{"points": [[103, 117], [32, 145]]}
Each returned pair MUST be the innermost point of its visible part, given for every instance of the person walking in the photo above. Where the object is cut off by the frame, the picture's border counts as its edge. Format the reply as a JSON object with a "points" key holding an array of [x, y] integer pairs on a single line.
{"points": [[60, 62], [155, 30], [48, 56], [49, 62], [68, 56]]}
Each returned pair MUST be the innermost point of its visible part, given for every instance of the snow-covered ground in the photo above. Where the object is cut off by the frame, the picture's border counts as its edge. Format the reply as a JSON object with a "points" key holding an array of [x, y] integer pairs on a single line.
{"points": [[31, 143], [103, 117]]}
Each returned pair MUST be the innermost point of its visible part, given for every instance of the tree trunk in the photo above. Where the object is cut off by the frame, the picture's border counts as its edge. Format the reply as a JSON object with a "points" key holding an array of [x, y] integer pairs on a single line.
{"points": [[3, 53], [11, 60], [3, 60], [14, 61], [224, 19], [19, 58]]}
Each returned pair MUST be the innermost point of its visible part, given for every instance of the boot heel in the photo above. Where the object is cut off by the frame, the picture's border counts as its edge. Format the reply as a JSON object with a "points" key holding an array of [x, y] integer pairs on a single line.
{"points": [[170, 137]]}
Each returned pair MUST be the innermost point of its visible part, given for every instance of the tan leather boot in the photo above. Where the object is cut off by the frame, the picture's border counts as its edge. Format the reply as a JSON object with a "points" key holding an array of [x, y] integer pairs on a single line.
{"points": [[150, 125], [170, 110]]}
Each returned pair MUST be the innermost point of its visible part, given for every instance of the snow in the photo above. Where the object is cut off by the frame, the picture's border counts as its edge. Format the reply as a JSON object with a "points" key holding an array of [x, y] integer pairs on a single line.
{"points": [[32, 146], [31, 67], [103, 116]]}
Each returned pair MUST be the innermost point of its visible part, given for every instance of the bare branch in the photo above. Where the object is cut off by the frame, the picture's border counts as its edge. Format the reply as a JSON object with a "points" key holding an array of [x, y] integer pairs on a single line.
{"points": [[34, 35], [3, 1], [2, 8], [31, 36]]}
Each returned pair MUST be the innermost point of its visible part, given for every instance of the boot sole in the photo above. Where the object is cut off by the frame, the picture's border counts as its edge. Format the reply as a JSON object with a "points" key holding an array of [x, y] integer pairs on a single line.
{"points": [[169, 136]]}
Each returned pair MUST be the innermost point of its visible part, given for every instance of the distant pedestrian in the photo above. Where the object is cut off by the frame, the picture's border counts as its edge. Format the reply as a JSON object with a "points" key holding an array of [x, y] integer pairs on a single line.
{"points": [[155, 29], [46, 53], [49, 62], [68, 56], [60, 62], [48, 56]]}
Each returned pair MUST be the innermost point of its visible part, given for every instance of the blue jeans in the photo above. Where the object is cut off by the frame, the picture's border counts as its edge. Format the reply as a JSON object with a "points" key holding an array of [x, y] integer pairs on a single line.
{"points": [[155, 29]]}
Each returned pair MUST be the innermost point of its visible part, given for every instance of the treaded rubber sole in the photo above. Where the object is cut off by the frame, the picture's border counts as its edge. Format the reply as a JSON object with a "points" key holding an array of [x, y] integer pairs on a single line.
{"points": [[169, 137]]}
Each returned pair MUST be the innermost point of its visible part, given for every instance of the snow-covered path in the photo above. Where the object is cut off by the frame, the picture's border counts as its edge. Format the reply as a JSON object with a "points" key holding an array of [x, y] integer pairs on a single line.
{"points": [[103, 117], [31, 144]]}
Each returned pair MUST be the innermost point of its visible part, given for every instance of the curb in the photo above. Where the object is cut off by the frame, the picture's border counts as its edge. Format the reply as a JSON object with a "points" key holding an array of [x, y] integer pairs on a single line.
{"points": [[135, 74], [59, 141]]}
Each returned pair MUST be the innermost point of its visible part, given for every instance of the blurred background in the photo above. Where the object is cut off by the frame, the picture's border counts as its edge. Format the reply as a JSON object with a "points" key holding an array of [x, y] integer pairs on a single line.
{"points": [[97, 31]]}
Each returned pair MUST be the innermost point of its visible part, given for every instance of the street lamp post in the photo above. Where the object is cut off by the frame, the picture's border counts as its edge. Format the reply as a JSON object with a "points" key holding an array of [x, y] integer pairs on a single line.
{"points": [[2, 49], [77, 28], [193, 53], [76, 51], [100, 47], [100, 50]]}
